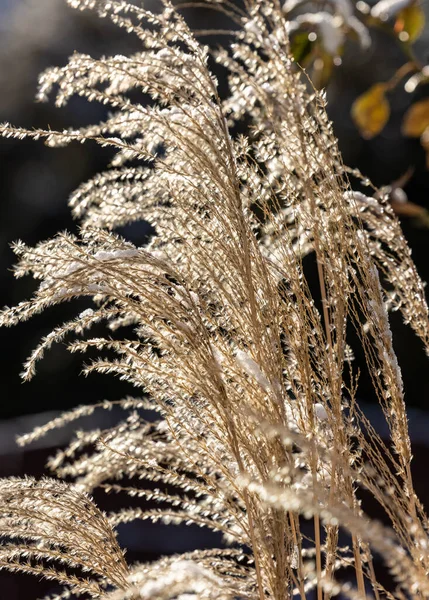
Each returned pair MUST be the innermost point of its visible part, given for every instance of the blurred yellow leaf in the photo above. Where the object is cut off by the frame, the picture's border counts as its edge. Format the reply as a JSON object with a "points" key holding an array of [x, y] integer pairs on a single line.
{"points": [[416, 119], [424, 140], [371, 111], [410, 22]]}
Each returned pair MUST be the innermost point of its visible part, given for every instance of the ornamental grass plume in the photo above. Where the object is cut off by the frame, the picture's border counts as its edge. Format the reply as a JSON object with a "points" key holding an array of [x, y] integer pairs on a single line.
{"points": [[251, 376]]}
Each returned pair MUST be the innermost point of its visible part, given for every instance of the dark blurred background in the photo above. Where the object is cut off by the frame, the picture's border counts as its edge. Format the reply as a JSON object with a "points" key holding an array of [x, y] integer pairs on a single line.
{"points": [[35, 182]]}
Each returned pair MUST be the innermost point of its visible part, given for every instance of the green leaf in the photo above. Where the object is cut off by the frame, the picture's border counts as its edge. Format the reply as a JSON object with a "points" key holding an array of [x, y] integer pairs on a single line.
{"points": [[300, 46], [322, 70]]}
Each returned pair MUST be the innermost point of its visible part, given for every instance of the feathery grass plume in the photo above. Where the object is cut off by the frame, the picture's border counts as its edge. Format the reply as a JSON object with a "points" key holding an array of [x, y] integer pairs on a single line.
{"points": [[258, 427]]}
